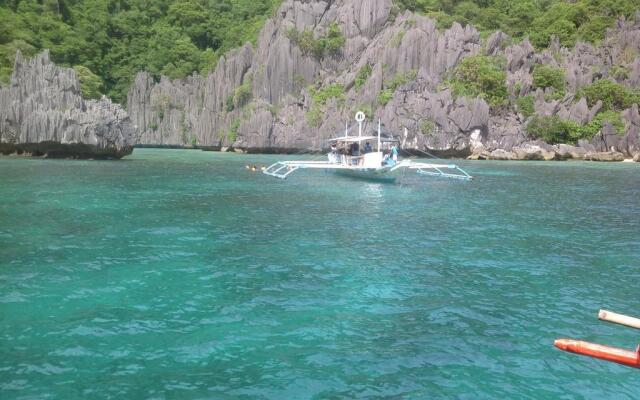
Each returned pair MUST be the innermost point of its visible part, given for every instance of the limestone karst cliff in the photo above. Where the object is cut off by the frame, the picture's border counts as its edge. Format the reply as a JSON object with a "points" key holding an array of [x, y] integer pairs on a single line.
{"points": [[259, 99], [42, 112]]}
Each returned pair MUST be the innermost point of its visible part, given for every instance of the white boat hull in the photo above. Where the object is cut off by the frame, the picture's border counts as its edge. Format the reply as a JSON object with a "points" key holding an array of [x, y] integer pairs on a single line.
{"points": [[383, 174]]}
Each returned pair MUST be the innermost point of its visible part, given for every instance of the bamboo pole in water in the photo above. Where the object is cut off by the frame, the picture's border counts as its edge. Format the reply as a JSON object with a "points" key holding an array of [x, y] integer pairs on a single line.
{"points": [[609, 316], [613, 354]]}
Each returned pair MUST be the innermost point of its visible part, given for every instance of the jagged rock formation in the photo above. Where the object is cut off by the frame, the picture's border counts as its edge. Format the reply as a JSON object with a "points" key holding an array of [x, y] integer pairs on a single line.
{"points": [[258, 99], [42, 112]]}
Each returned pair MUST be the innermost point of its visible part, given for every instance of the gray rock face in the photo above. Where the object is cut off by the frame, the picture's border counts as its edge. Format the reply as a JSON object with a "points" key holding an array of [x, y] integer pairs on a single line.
{"points": [[500, 154], [604, 156], [533, 152], [275, 75], [42, 112], [257, 99], [566, 152]]}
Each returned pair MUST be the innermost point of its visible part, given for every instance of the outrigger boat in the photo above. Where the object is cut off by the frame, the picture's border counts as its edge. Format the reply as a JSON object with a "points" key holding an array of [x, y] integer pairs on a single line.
{"points": [[373, 165]]}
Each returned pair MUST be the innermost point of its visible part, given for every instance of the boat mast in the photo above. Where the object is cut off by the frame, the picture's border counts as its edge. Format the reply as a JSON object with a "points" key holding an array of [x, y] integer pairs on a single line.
{"points": [[378, 135]]}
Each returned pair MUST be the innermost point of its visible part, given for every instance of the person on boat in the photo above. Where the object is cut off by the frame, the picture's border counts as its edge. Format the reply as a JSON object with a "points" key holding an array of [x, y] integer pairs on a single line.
{"points": [[394, 153], [388, 159], [355, 149], [355, 152], [333, 155], [367, 148]]}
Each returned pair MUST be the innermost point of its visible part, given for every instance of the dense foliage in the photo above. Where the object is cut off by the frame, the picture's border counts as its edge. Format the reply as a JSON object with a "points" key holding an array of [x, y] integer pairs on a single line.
{"points": [[539, 19], [480, 76], [553, 129], [545, 76], [597, 123], [330, 44], [114, 39], [614, 96], [525, 106]]}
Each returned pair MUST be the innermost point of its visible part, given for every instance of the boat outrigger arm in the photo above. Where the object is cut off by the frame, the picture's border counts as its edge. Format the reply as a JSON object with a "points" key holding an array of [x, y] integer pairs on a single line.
{"points": [[282, 169], [370, 165]]}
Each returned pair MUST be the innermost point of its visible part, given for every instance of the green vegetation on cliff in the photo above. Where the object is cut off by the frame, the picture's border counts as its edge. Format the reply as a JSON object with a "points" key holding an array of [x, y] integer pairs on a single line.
{"points": [[613, 95], [330, 44], [570, 21], [546, 76], [553, 129], [480, 76], [109, 41], [112, 40]]}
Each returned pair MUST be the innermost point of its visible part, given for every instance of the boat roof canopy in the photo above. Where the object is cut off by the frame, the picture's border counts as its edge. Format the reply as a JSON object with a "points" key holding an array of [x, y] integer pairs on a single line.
{"points": [[350, 139], [353, 138]]}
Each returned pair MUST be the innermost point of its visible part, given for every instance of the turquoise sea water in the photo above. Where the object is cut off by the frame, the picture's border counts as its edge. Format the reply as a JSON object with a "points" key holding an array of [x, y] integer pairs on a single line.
{"points": [[181, 275]]}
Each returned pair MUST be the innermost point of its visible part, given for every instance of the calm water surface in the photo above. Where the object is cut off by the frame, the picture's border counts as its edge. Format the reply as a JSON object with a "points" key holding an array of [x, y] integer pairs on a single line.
{"points": [[181, 275]]}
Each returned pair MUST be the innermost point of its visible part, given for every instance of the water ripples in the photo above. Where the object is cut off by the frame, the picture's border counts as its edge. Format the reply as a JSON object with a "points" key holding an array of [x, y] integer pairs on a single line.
{"points": [[144, 281]]}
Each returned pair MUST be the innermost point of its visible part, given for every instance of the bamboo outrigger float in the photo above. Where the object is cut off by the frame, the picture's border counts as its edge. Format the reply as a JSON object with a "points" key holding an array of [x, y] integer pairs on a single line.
{"points": [[371, 165], [607, 353]]}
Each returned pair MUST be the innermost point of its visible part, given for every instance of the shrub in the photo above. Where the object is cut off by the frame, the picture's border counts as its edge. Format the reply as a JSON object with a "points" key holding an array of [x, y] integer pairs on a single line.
{"points": [[229, 104], [592, 128], [614, 96], [331, 44], [400, 79], [390, 86], [232, 134], [334, 40], [545, 76], [385, 96], [427, 127], [322, 95], [480, 76], [553, 129], [242, 94], [319, 98], [593, 30], [314, 116], [363, 75], [525, 105], [619, 72], [90, 83]]}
